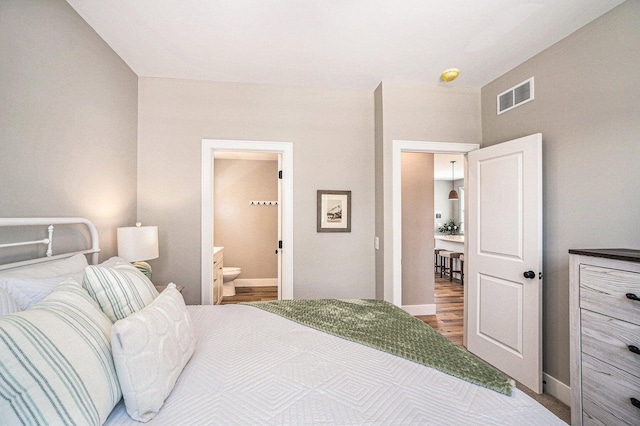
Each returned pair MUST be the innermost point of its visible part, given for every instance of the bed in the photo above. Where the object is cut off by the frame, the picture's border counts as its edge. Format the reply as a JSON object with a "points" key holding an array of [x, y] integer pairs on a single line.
{"points": [[226, 364]]}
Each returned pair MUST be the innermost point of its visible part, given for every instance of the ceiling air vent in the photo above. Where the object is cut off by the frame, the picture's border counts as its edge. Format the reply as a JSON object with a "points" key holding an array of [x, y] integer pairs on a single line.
{"points": [[516, 96]]}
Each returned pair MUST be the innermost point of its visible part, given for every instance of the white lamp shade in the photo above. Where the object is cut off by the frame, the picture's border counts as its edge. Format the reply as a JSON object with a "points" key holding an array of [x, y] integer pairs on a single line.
{"points": [[136, 243]]}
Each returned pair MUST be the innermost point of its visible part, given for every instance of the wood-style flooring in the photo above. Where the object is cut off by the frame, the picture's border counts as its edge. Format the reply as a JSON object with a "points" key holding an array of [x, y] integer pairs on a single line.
{"points": [[449, 300], [252, 294]]}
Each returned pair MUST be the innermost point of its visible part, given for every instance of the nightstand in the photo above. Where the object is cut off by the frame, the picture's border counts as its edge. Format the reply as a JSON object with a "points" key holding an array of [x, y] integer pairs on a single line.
{"points": [[161, 288]]}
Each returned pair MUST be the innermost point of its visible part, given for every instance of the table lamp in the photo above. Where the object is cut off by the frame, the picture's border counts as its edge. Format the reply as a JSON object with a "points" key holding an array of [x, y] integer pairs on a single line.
{"points": [[137, 244]]}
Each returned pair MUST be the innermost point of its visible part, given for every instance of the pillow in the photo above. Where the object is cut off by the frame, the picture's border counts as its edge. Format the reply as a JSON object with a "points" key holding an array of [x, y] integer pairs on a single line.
{"points": [[150, 349], [56, 365], [28, 291], [7, 304], [54, 268], [120, 291], [28, 285], [113, 261]]}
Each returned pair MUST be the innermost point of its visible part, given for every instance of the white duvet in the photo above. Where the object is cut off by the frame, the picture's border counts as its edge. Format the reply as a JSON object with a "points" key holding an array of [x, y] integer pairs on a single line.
{"points": [[251, 367]]}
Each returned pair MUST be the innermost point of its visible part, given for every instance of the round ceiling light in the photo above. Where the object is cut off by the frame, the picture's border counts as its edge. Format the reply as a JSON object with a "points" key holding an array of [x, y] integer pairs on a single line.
{"points": [[450, 75]]}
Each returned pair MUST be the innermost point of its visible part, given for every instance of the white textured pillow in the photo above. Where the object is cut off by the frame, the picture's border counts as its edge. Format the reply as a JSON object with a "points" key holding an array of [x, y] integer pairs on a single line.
{"points": [[56, 365], [54, 268], [150, 349], [7, 304], [28, 291], [120, 291]]}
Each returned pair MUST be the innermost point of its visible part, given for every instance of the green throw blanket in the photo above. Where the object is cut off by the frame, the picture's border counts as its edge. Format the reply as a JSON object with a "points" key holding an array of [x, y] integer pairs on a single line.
{"points": [[384, 326]]}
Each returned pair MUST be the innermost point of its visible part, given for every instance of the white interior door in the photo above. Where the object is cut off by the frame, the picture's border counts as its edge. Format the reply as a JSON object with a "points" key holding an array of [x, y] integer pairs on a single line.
{"points": [[504, 281]]}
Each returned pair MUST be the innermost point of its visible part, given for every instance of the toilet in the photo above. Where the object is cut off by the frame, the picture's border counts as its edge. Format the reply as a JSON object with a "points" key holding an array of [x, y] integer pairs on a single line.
{"points": [[229, 274]]}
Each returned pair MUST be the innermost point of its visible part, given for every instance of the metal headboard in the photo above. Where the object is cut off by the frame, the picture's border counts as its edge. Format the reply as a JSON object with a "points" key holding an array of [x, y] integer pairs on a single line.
{"points": [[49, 222]]}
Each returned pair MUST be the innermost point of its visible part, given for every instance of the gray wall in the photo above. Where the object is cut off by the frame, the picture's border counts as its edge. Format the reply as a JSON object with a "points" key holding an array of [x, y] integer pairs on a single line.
{"points": [[450, 208], [68, 120], [414, 113], [332, 132], [248, 233], [417, 234], [379, 185], [586, 107], [443, 204]]}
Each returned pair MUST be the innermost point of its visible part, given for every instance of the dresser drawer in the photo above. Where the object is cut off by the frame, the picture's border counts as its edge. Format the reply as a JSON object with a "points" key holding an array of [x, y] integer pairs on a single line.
{"points": [[609, 339], [606, 393], [604, 290]]}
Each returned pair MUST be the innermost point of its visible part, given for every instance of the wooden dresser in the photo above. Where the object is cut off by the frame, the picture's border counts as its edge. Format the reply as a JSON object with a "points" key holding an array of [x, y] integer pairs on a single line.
{"points": [[605, 336]]}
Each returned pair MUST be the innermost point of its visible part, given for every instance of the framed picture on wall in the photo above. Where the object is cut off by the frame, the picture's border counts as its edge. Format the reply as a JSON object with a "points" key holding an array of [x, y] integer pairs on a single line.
{"points": [[334, 211]]}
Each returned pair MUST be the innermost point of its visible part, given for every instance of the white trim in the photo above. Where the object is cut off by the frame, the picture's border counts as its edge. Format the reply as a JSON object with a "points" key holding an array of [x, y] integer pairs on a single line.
{"points": [[398, 147], [557, 389], [420, 309], [286, 151]]}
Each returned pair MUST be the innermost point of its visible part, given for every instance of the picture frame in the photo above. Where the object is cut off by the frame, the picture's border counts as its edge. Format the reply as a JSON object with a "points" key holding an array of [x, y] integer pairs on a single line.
{"points": [[334, 211]]}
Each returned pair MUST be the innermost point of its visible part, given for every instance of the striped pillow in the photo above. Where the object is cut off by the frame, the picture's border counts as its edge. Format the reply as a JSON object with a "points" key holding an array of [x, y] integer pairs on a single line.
{"points": [[56, 365], [120, 291]]}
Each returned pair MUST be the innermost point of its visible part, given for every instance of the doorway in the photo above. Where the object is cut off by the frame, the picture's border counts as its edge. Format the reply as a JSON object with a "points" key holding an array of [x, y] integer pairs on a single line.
{"points": [[284, 152], [496, 285], [245, 223], [399, 147]]}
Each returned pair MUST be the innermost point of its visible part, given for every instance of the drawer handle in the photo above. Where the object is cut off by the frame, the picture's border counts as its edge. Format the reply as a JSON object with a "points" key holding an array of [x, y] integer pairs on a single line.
{"points": [[632, 296], [635, 402], [634, 349]]}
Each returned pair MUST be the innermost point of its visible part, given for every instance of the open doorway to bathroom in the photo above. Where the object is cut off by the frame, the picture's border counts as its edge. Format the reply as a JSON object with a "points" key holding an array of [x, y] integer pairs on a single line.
{"points": [[245, 223], [281, 248]]}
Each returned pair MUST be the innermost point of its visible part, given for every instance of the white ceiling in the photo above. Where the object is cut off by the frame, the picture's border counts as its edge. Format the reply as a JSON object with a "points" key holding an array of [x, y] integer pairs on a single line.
{"points": [[333, 43]]}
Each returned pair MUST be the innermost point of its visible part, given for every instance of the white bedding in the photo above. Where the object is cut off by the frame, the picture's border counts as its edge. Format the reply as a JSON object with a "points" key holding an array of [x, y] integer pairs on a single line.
{"points": [[253, 367]]}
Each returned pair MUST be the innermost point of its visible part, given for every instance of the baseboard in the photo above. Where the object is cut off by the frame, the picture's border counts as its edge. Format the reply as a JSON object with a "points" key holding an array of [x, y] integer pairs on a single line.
{"points": [[556, 388], [256, 282], [420, 309]]}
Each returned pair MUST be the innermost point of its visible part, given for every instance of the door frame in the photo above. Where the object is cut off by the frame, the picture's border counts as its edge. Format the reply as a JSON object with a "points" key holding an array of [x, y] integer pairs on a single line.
{"points": [[426, 147], [285, 149]]}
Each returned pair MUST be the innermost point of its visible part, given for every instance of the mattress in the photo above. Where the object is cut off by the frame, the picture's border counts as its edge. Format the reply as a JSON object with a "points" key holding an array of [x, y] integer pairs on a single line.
{"points": [[254, 367]]}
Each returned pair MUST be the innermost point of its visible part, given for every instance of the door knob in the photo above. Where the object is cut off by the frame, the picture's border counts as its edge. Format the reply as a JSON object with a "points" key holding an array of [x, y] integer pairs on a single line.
{"points": [[529, 275]]}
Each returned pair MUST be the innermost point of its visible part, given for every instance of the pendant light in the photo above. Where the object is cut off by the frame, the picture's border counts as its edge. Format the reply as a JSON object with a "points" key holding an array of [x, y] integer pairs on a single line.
{"points": [[453, 195]]}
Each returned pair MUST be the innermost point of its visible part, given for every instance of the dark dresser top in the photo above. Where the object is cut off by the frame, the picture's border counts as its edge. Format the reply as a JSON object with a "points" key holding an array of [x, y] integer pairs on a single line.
{"points": [[629, 255]]}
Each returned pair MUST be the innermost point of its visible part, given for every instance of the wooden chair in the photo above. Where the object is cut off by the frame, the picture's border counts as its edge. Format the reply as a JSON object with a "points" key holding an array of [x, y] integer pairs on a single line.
{"points": [[437, 260], [447, 266]]}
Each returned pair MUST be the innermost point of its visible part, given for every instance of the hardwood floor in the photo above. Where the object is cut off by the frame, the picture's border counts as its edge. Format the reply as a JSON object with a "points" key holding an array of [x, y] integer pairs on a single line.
{"points": [[252, 294], [449, 299]]}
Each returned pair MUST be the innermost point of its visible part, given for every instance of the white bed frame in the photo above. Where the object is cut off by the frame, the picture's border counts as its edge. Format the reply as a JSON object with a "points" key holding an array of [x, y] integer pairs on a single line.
{"points": [[49, 222]]}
